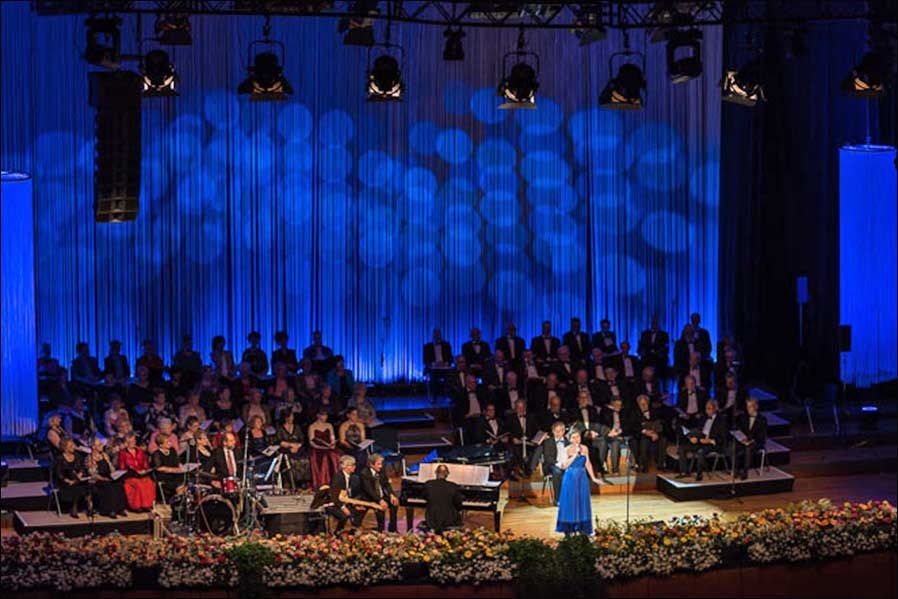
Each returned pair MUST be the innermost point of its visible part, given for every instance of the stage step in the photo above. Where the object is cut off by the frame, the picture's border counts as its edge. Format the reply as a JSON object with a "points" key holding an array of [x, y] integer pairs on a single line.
{"points": [[777, 426], [24, 469], [838, 462], [46, 521], [719, 485], [420, 420], [767, 399], [24, 496]]}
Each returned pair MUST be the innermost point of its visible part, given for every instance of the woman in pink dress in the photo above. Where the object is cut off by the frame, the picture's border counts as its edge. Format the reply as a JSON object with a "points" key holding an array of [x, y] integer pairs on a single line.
{"points": [[325, 456]]}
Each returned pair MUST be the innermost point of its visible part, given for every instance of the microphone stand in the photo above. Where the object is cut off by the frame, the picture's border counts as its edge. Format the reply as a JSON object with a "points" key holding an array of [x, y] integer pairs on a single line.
{"points": [[626, 440], [733, 468]]}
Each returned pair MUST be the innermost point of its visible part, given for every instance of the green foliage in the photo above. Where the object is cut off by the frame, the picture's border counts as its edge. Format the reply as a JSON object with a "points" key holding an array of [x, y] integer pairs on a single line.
{"points": [[251, 559], [568, 568]]}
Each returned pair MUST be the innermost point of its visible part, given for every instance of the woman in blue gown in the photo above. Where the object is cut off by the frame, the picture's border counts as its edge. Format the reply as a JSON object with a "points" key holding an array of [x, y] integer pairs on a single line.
{"points": [[574, 505]]}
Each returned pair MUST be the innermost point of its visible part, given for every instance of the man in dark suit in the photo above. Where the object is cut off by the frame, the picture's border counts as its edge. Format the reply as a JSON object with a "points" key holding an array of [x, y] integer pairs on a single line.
{"points": [[648, 385], [596, 365], [189, 362], [468, 405], [727, 363], [753, 425], [691, 400], [627, 366], [654, 348], [456, 380], [582, 385], [683, 349], [495, 371], [612, 433], [700, 369], [224, 462], [541, 397], [255, 355], [709, 436], [283, 354], [476, 351], [577, 341], [511, 345], [375, 488], [702, 337], [509, 393], [489, 429], [521, 427], [730, 396], [437, 352], [85, 368], [551, 453], [545, 346], [555, 413], [613, 387], [321, 355], [345, 484], [604, 338], [116, 363], [444, 501], [565, 367], [647, 431]]}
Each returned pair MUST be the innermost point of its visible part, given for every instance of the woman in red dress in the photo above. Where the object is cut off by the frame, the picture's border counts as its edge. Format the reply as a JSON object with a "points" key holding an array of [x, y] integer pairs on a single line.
{"points": [[325, 456], [139, 486]]}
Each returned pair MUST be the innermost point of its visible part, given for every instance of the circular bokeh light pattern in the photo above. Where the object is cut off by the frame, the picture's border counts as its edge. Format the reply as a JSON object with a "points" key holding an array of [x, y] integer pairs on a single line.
{"points": [[500, 208], [508, 287], [547, 117], [335, 129], [421, 287], [485, 106], [562, 198], [334, 164], [545, 169], [667, 231], [454, 146], [496, 153], [422, 137], [295, 122], [499, 179], [595, 128]]}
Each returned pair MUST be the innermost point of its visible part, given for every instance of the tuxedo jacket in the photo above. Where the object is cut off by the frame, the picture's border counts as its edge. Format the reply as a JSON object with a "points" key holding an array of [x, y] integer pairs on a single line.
{"points": [[580, 425], [369, 484], [700, 397], [547, 419], [504, 343], [637, 421], [217, 463], [549, 453], [444, 503], [538, 347], [704, 369], [338, 484], [650, 351], [257, 360], [503, 399], [109, 364], [566, 371], [703, 343], [460, 402], [606, 394], [577, 353], [592, 388], [494, 374], [640, 388], [513, 426], [719, 431], [681, 355], [605, 340], [721, 392], [471, 355], [721, 368], [482, 427], [757, 433], [287, 357], [618, 363], [430, 355]]}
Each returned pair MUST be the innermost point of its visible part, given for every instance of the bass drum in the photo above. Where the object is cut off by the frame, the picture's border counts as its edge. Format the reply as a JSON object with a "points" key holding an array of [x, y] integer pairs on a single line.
{"points": [[215, 515]]}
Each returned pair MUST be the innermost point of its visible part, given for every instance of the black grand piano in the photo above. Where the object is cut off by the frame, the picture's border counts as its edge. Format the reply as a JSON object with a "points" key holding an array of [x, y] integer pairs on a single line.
{"points": [[480, 493]]}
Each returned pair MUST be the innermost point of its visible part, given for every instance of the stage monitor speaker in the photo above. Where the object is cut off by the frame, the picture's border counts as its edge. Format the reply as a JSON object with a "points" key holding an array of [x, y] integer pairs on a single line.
{"points": [[801, 288], [844, 338], [116, 97]]}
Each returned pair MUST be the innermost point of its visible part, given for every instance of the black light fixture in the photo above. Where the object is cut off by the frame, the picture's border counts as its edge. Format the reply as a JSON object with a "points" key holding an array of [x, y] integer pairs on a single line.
{"points": [[454, 49], [359, 30], [384, 75], [684, 55], [624, 90], [588, 27], [743, 86], [867, 79], [666, 15], [173, 30], [103, 41], [266, 81], [518, 86], [158, 75]]}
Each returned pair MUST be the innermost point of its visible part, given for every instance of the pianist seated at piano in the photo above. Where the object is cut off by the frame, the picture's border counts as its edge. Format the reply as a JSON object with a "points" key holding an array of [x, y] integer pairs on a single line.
{"points": [[444, 502]]}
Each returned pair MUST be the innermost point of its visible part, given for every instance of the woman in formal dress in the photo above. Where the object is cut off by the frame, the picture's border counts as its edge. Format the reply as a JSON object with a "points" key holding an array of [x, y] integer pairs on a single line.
{"points": [[290, 439], [139, 486], [258, 437], [223, 408], [109, 495], [575, 503], [351, 435], [325, 456], [55, 434], [69, 470], [167, 464], [367, 412]]}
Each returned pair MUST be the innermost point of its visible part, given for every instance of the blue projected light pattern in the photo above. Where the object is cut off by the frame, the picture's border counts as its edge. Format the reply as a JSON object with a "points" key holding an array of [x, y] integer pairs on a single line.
{"points": [[868, 248], [371, 222]]}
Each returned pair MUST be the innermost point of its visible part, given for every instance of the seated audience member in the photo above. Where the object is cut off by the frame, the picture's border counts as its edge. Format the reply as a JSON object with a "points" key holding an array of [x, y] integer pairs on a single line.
{"points": [[166, 427], [223, 408], [255, 355], [116, 363], [476, 352], [319, 354], [709, 436], [110, 417], [278, 388], [340, 379], [508, 394], [585, 420], [494, 371], [84, 369], [55, 434], [444, 502], [224, 461], [730, 396], [222, 359], [437, 352], [291, 440], [254, 408], [191, 409], [700, 370], [139, 486], [683, 350], [189, 362], [351, 435], [551, 454], [308, 382], [511, 345], [654, 348], [375, 488], [468, 405], [151, 360], [360, 401], [47, 365], [69, 471], [577, 342], [283, 354], [565, 368], [488, 429], [691, 400], [627, 366], [158, 410], [140, 391], [553, 414], [612, 387], [647, 430], [521, 427], [596, 365], [702, 338], [345, 485], [753, 425], [581, 385], [604, 338], [108, 494], [545, 346], [612, 432], [167, 467], [327, 402], [323, 452]]}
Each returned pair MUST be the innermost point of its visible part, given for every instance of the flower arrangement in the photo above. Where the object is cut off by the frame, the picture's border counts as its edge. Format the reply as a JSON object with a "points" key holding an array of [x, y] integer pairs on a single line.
{"points": [[806, 531]]}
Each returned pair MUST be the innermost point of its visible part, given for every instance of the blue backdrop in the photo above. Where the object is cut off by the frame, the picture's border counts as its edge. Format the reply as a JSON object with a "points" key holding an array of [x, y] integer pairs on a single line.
{"points": [[371, 222]]}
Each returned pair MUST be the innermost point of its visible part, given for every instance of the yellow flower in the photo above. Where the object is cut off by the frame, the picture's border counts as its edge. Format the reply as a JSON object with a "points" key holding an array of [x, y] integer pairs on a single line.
{"points": [[468, 555], [667, 541]]}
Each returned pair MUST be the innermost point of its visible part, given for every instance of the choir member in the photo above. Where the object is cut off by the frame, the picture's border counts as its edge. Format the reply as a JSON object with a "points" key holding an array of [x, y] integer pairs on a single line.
{"points": [[255, 355], [324, 454], [577, 342], [319, 354], [691, 399], [188, 362], [612, 433], [511, 345], [152, 362], [167, 466], [753, 426], [476, 352], [69, 472], [709, 436], [351, 435], [139, 486], [489, 429], [283, 354], [545, 346], [375, 488], [627, 366], [222, 359], [340, 379], [108, 493], [648, 433], [702, 337], [605, 339], [289, 437], [437, 352], [521, 427], [654, 348], [116, 363]]}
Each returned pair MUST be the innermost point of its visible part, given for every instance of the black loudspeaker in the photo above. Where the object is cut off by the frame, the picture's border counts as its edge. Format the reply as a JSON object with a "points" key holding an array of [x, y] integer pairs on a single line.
{"points": [[116, 97], [844, 338], [295, 523]]}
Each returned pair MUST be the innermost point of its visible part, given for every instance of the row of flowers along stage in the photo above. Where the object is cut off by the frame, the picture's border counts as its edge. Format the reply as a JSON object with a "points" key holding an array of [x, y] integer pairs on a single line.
{"points": [[810, 531]]}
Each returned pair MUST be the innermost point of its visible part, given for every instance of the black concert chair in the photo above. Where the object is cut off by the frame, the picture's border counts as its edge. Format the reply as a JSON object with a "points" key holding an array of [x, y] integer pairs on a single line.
{"points": [[386, 443]]}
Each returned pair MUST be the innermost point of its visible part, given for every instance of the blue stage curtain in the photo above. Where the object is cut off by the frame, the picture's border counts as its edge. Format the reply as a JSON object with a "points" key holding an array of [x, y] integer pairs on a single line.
{"points": [[867, 253], [372, 222]]}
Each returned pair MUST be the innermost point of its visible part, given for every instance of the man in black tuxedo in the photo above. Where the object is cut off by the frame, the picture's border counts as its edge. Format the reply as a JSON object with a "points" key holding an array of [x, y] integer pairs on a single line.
{"points": [[627, 366], [683, 349], [495, 371], [554, 414], [585, 420], [565, 367], [116, 363], [321, 355], [444, 501], [700, 370], [710, 435], [582, 385], [345, 484], [577, 341], [508, 394], [283, 354], [476, 351], [691, 400], [375, 488], [730, 396], [533, 378], [437, 352], [612, 432], [702, 337], [654, 348], [753, 425], [551, 452], [596, 365], [647, 431], [648, 385], [468, 405], [727, 363], [539, 400], [613, 387], [456, 380], [490, 430], [545, 346], [521, 427], [604, 338], [511, 345]]}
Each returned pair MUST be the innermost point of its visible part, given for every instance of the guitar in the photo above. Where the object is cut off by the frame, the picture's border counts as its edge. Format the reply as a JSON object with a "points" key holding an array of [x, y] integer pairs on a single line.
{"points": [[344, 498]]}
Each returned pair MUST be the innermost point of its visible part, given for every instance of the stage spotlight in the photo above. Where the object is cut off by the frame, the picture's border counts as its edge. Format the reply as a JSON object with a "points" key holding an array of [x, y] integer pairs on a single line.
{"points": [[385, 80], [266, 81], [666, 15], [867, 79], [624, 92], [518, 86], [453, 50], [588, 27], [743, 86], [173, 30], [358, 30], [682, 67], [158, 75], [103, 42]]}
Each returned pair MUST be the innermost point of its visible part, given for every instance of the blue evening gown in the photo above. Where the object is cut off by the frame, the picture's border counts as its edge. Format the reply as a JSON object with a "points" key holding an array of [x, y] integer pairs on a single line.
{"points": [[574, 506]]}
